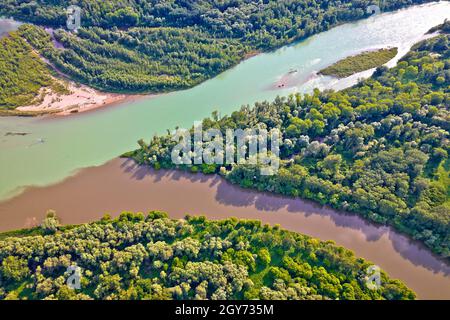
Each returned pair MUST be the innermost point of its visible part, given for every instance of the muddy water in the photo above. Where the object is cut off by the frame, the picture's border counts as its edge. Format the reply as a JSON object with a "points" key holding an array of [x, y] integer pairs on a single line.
{"points": [[121, 185]]}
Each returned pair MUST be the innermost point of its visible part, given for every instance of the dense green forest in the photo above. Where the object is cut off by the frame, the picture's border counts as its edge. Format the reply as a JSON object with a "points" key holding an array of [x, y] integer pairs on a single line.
{"points": [[153, 257], [264, 23], [379, 149], [22, 73], [360, 62], [161, 45], [138, 59]]}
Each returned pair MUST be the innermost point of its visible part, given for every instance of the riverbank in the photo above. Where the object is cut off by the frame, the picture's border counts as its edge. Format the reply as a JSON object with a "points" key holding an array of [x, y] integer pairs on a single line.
{"points": [[34, 87], [80, 98], [122, 185]]}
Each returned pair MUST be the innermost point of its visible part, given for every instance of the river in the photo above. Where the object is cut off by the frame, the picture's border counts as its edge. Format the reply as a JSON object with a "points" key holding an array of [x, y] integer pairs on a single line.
{"points": [[93, 138], [121, 185]]}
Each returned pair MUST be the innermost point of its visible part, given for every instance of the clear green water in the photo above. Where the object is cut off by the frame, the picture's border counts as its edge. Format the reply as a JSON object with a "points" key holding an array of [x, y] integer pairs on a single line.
{"points": [[93, 138]]}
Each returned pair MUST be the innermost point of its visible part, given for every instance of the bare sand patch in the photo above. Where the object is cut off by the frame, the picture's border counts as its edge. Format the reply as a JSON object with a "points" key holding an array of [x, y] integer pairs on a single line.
{"points": [[78, 98]]}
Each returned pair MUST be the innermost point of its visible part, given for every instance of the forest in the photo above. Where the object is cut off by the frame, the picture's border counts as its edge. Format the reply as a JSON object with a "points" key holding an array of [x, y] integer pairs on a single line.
{"points": [[160, 45], [378, 149], [136, 60], [153, 257], [25, 79], [22, 73]]}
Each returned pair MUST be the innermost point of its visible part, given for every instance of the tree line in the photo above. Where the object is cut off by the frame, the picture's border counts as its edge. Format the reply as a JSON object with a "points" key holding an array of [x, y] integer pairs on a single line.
{"points": [[160, 45], [137, 257], [379, 149]]}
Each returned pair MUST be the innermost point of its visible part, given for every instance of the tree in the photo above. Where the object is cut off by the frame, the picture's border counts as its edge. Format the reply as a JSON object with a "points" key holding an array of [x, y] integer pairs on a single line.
{"points": [[264, 257], [51, 222], [15, 269]]}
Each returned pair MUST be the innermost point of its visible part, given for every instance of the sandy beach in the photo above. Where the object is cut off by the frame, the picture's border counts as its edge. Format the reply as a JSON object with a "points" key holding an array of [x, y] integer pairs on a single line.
{"points": [[80, 99]]}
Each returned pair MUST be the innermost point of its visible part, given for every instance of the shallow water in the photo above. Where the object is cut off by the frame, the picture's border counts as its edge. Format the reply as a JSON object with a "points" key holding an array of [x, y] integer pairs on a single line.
{"points": [[121, 185], [93, 138]]}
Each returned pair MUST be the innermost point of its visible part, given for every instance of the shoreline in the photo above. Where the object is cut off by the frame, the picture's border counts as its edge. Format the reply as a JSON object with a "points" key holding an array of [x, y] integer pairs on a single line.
{"points": [[360, 62], [122, 185], [72, 104], [82, 99]]}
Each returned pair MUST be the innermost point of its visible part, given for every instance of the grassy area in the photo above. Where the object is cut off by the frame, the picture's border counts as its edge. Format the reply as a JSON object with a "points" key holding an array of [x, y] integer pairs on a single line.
{"points": [[361, 62]]}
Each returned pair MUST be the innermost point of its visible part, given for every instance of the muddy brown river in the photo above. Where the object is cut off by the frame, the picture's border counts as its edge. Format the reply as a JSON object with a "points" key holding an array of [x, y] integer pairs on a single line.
{"points": [[121, 185]]}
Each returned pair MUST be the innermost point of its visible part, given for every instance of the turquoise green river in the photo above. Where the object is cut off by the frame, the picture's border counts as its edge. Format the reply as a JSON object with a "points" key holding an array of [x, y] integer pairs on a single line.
{"points": [[56, 147]]}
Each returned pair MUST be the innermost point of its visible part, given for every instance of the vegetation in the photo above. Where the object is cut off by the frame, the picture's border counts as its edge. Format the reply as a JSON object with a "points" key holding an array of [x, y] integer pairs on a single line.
{"points": [[137, 59], [379, 149], [25, 79], [153, 257], [361, 62], [445, 27], [160, 45], [22, 73], [18, 113]]}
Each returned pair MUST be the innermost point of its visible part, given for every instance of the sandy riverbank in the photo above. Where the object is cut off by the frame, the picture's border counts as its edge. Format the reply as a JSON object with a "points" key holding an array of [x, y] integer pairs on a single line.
{"points": [[80, 98]]}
